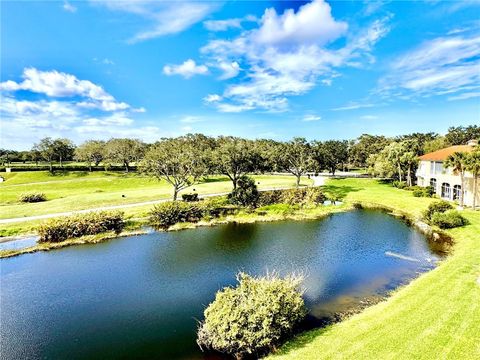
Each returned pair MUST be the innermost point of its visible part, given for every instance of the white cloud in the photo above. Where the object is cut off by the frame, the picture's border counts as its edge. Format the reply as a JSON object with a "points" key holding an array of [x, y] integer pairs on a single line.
{"points": [[230, 70], [311, 117], [368, 117], [69, 7], [353, 106], [464, 96], [287, 54], [210, 98], [62, 85], [188, 69], [223, 25], [166, 17], [312, 24], [440, 66]]}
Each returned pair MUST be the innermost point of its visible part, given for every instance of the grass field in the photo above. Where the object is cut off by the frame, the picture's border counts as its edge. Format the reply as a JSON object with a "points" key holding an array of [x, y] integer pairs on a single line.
{"points": [[82, 190], [437, 316]]}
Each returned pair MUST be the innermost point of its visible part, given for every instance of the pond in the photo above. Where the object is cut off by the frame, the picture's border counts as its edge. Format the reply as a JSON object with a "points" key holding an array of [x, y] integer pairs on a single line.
{"points": [[140, 297]]}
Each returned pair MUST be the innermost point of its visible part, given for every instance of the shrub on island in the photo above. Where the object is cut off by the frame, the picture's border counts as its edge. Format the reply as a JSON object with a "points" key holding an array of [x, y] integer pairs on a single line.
{"points": [[253, 317], [64, 228], [32, 197], [298, 196], [245, 194]]}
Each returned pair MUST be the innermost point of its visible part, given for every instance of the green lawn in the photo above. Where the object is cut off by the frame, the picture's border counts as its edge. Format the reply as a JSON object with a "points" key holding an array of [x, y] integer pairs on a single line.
{"points": [[83, 190], [437, 316]]}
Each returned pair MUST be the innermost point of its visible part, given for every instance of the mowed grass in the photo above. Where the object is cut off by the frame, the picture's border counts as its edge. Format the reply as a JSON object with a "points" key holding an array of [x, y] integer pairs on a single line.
{"points": [[82, 190], [437, 316]]}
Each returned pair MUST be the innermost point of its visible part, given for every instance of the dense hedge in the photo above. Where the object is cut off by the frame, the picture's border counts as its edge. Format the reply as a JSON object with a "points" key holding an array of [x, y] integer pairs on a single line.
{"points": [[190, 197], [299, 196], [32, 197], [168, 213], [63, 228], [253, 317]]}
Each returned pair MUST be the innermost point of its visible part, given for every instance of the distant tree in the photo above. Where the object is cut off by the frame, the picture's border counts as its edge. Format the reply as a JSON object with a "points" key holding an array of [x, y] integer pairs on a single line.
{"points": [[472, 164], [234, 157], [394, 154], [265, 155], [124, 151], [331, 154], [91, 151], [435, 144], [460, 135], [5, 155], [417, 141], [296, 157], [64, 150], [47, 150], [365, 146], [458, 162], [179, 161]]}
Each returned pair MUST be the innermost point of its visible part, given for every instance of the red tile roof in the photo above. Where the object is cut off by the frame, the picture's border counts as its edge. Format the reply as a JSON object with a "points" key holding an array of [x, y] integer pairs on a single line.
{"points": [[443, 154]]}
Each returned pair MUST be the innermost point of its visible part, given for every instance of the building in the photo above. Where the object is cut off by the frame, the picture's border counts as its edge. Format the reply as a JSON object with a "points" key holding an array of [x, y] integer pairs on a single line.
{"points": [[446, 184]]}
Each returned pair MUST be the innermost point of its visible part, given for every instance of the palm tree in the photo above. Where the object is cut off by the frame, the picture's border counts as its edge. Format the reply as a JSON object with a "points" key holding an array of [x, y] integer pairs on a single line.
{"points": [[409, 159], [473, 165], [457, 162]]}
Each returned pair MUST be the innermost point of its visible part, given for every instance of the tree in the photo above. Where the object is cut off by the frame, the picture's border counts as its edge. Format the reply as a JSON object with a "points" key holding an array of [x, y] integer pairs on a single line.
{"points": [[434, 145], [296, 157], [331, 154], [457, 161], [365, 146], [246, 193], [460, 135], [417, 141], [64, 149], [410, 160], [472, 164], [394, 153], [179, 161], [124, 151], [47, 150], [234, 157], [91, 151]]}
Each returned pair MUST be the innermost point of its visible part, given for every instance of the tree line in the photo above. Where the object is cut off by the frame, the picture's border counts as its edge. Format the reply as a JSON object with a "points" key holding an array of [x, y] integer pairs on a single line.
{"points": [[183, 160]]}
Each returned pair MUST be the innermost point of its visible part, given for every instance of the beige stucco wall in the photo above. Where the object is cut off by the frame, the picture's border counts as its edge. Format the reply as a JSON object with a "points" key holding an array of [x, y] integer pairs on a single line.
{"points": [[424, 174]]}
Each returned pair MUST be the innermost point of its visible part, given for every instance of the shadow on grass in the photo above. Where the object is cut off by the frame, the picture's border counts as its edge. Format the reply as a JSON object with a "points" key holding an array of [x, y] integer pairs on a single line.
{"points": [[216, 179], [339, 191]]}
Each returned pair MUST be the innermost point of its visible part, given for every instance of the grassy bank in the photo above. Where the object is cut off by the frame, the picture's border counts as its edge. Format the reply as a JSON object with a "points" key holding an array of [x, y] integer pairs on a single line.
{"points": [[72, 191], [437, 316]]}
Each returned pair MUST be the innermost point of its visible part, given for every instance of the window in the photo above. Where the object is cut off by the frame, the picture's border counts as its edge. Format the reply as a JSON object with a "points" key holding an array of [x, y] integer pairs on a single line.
{"points": [[446, 191], [433, 183], [457, 191], [438, 168]]}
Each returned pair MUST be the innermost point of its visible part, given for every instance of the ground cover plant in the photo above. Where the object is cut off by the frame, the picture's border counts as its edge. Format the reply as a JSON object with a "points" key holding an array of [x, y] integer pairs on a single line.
{"points": [[253, 317]]}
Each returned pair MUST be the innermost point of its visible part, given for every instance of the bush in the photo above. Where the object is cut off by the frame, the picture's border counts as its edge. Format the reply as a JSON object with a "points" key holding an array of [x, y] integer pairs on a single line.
{"points": [[169, 213], [418, 193], [245, 194], [399, 184], [299, 196], [436, 207], [253, 317], [32, 197], [61, 229], [190, 197], [448, 219]]}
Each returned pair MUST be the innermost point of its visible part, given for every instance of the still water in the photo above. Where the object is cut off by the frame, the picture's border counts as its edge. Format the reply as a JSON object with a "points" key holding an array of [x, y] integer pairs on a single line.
{"points": [[140, 297]]}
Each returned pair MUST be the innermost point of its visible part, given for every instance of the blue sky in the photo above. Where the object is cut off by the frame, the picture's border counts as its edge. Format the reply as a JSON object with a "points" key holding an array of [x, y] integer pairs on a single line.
{"points": [[320, 69]]}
